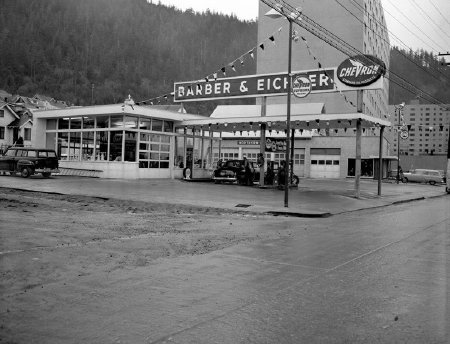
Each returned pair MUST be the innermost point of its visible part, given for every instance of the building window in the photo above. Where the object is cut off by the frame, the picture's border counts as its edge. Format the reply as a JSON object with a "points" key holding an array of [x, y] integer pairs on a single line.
{"points": [[2, 133], [299, 159], [366, 168], [27, 134], [2, 113], [154, 151]]}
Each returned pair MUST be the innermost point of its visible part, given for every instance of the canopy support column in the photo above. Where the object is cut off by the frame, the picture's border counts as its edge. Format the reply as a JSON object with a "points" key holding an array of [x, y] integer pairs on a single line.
{"points": [[380, 160]]}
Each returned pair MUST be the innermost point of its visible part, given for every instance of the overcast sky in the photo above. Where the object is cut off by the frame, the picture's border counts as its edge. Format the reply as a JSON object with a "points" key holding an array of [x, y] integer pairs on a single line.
{"points": [[415, 23]]}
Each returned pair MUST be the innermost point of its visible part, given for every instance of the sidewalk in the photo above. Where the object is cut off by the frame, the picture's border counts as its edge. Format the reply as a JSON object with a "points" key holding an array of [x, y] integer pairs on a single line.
{"points": [[313, 197]]}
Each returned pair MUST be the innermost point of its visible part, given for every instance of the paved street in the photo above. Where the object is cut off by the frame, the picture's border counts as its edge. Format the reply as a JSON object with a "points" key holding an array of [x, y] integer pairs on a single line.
{"points": [[377, 275], [371, 277], [313, 197]]}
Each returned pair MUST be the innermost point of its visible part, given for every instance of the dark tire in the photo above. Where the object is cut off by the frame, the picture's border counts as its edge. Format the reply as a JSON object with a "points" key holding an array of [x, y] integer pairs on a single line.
{"points": [[295, 180], [447, 189], [187, 173], [432, 182], [46, 174], [405, 180], [26, 172]]}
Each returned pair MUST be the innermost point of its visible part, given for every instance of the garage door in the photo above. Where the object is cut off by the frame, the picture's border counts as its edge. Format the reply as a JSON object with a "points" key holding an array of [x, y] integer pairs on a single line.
{"points": [[325, 166]]}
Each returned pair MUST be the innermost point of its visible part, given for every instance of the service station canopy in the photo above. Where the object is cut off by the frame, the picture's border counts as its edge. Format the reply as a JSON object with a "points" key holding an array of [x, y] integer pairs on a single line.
{"points": [[301, 122]]}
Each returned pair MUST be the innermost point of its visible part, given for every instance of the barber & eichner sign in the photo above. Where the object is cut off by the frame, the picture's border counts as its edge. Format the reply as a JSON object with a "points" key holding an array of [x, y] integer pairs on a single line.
{"points": [[250, 86], [359, 72]]}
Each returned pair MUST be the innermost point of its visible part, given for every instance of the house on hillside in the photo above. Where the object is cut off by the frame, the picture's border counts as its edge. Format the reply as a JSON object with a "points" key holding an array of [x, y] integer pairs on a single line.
{"points": [[16, 117], [7, 135]]}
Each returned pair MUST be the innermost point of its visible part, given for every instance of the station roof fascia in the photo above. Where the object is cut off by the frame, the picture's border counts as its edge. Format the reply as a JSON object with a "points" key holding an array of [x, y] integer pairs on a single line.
{"points": [[305, 122], [116, 109]]}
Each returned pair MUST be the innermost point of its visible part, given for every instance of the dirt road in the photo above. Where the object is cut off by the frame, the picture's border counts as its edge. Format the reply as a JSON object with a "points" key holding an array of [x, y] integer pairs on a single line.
{"points": [[49, 242]]}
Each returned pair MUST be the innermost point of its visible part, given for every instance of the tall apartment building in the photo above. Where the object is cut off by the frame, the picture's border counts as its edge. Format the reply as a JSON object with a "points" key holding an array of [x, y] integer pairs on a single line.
{"points": [[428, 129], [360, 23]]}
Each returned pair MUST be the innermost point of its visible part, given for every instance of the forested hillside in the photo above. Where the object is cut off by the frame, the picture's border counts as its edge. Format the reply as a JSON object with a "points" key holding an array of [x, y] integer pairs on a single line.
{"points": [[423, 70], [62, 47]]}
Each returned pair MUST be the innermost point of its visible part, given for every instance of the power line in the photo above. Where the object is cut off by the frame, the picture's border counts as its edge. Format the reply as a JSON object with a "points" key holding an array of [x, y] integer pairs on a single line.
{"points": [[426, 14], [437, 10], [385, 40], [385, 10], [404, 15], [320, 32]]}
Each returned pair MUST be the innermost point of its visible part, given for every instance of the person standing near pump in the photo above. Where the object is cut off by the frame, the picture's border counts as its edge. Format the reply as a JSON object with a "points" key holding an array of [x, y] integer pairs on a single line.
{"points": [[247, 171]]}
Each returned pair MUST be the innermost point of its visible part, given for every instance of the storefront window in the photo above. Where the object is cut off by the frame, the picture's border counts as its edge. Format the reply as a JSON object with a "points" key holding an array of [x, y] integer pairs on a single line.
{"points": [[157, 125], [103, 122], [75, 123], [154, 151], [168, 127], [179, 152], [366, 168], [87, 150], [145, 124], [130, 146], [101, 145], [131, 122], [74, 146], [117, 121], [88, 122], [63, 123], [115, 146], [63, 145]]}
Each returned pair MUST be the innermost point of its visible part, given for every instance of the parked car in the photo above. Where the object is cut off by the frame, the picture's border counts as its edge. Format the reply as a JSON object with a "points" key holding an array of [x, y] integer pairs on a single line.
{"points": [[234, 171], [424, 176], [28, 161]]}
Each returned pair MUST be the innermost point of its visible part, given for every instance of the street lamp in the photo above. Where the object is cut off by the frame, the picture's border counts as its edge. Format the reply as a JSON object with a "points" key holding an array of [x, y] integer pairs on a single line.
{"points": [[274, 14], [399, 109]]}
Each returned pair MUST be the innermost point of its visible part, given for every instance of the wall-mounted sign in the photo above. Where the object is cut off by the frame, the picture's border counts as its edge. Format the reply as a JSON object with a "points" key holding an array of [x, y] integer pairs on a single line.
{"points": [[266, 85], [248, 143], [361, 70], [301, 85], [250, 86], [404, 134], [275, 145]]}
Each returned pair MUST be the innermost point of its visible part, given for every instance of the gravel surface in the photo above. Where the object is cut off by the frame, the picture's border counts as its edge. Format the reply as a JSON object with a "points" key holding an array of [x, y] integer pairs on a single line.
{"points": [[48, 241]]}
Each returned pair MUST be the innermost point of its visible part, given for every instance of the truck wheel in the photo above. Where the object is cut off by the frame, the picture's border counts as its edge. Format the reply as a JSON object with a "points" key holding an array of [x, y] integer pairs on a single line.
{"points": [[295, 180], [26, 172], [46, 174], [432, 182]]}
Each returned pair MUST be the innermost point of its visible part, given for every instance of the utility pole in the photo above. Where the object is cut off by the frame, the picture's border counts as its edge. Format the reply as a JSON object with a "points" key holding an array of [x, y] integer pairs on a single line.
{"points": [[445, 54]]}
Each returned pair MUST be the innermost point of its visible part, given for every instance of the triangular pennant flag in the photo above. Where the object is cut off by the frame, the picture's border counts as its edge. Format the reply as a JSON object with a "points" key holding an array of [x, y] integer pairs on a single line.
{"points": [[252, 54], [242, 61], [320, 65], [272, 39], [206, 79], [232, 67], [261, 46], [215, 76], [223, 70]]}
